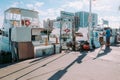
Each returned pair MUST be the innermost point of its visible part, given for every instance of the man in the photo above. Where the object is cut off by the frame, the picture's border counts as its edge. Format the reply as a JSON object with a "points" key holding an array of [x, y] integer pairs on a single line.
{"points": [[108, 34]]}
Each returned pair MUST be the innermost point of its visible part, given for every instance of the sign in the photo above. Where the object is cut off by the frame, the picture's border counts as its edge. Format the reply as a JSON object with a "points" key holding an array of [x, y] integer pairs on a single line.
{"points": [[67, 30]]}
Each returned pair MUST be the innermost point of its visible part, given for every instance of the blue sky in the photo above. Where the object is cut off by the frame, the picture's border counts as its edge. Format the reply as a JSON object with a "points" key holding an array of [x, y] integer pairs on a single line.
{"points": [[106, 9]]}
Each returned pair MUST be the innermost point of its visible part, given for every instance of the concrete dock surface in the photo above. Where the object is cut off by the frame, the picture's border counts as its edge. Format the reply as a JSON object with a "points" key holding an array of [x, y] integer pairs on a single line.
{"points": [[100, 64]]}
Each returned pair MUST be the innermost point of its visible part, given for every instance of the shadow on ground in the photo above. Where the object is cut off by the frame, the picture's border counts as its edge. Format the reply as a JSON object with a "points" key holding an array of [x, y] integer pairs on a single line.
{"points": [[103, 52], [61, 73], [34, 62]]}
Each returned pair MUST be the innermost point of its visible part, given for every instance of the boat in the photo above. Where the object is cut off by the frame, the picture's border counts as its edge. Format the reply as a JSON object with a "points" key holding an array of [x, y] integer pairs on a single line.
{"points": [[16, 38], [21, 35]]}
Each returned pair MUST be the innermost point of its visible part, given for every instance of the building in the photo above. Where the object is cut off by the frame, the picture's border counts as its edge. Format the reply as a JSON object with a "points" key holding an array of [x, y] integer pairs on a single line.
{"points": [[48, 24], [65, 14], [83, 18], [79, 19], [69, 21], [65, 23]]}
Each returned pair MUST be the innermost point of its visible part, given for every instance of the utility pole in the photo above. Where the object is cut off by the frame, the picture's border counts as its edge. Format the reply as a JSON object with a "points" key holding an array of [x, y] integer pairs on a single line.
{"points": [[119, 25], [90, 23], [73, 34], [60, 35]]}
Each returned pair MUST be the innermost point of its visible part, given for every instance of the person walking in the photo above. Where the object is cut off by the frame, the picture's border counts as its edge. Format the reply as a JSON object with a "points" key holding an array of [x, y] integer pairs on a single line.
{"points": [[108, 35], [101, 39]]}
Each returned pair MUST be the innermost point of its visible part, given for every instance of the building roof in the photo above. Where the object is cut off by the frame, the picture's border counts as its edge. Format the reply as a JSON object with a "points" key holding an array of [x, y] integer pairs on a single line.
{"points": [[22, 12], [18, 10]]}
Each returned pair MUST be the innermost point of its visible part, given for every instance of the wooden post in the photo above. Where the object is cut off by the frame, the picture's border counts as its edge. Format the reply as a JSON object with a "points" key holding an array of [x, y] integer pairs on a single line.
{"points": [[46, 41]]}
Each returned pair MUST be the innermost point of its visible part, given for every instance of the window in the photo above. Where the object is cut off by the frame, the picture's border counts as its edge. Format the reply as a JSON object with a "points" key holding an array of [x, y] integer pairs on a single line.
{"points": [[33, 37]]}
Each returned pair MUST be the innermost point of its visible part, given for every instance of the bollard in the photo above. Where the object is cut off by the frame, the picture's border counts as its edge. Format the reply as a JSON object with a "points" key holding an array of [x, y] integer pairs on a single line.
{"points": [[46, 41], [56, 40]]}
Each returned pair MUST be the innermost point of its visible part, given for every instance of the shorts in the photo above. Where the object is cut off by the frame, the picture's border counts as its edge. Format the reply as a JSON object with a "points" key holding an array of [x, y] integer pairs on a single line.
{"points": [[107, 41], [101, 40]]}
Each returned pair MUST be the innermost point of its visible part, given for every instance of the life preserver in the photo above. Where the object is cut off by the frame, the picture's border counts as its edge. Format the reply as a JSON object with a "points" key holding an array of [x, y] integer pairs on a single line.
{"points": [[86, 47], [27, 22]]}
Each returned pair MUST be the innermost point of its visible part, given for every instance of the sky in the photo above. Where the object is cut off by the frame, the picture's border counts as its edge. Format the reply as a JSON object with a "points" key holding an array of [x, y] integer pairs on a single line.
{"points": [[106, 9]]}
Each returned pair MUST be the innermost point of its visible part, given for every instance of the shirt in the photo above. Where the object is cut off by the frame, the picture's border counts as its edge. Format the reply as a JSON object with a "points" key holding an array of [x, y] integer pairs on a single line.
{"points": [[108, 33]]}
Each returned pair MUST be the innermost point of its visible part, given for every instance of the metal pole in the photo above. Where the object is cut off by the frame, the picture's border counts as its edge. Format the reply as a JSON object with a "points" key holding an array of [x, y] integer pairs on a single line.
{"points": [[60, 36], [83, 19], [90, 23], [73, 34], [119, 25]]}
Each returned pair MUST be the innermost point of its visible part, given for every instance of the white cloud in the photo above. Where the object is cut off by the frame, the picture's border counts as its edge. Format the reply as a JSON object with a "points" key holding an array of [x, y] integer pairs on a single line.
{"points": [[15, 4], [112, 18], [114, 21], [39, 4], [76, 5], [30, 6], [102, 8], [50, 13], [108, 10], [105, 5], [35, 6]]}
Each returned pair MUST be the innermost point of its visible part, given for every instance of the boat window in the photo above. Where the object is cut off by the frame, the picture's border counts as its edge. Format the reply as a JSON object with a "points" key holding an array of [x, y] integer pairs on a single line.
{"points": [[33, 37], [10, 16]]}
